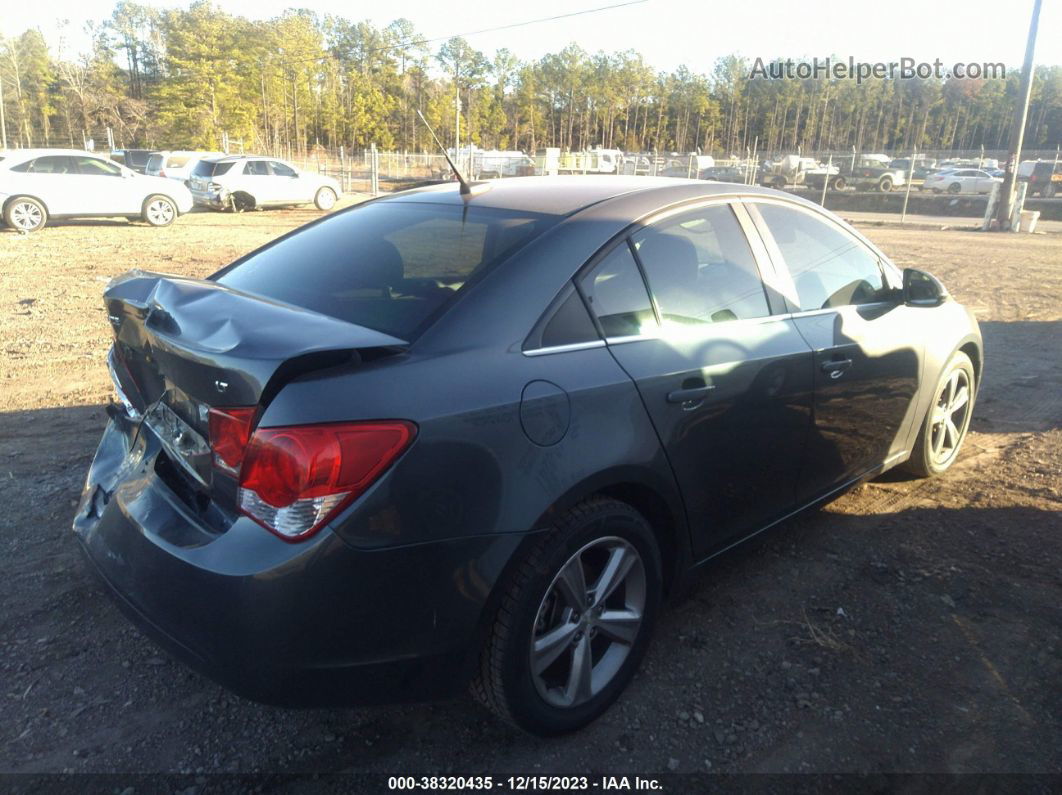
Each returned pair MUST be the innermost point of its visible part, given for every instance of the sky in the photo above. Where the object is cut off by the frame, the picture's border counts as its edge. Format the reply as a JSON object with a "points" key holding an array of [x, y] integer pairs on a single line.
{"points": [[668, 33]]}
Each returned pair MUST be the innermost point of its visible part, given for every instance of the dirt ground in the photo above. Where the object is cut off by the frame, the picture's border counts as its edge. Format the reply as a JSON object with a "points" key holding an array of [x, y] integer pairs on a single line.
{"points": [[910, 626]]}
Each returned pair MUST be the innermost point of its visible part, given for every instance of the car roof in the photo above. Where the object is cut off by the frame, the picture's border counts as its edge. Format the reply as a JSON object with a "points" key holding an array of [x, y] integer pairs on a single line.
{"points": [[241, 157], [564, 195], [30, 153]]}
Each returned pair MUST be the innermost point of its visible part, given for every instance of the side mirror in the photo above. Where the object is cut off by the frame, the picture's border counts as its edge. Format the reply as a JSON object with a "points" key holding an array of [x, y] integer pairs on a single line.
{"points": [[922, 289]]}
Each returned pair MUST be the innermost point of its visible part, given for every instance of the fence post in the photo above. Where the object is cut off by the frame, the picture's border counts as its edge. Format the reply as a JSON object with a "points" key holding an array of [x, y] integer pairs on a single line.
{"points": [[374, 169]]}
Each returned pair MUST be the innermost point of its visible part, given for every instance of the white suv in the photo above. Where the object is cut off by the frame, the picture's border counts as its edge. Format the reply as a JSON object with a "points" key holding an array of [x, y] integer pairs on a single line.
{"points": [[244, 183], [177, 165], [36, 184]]}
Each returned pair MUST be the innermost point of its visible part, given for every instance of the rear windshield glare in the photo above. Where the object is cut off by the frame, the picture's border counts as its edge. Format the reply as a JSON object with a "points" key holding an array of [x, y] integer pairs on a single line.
{"points": [[389, 266], [210, 168]]}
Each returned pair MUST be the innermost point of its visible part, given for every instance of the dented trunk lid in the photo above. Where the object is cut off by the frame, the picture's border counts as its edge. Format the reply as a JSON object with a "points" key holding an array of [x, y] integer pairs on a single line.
{"points": [[184, 346]]}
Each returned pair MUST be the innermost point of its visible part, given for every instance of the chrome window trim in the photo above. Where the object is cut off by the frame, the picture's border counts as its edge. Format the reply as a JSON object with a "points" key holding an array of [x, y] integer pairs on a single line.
{"points": [[694, 328], [574, 346], [631, 338]]}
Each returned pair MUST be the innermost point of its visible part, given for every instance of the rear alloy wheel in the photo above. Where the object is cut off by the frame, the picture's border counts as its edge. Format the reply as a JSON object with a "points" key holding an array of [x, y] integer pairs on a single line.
{"points": [[325, 199], [25, 214], [947, 420], [574, 621], [954, 187], [160, 211]]}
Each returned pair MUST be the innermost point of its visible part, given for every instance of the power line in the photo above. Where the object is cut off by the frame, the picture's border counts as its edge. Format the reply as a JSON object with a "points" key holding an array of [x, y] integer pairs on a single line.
{"points": [[510, 26]]}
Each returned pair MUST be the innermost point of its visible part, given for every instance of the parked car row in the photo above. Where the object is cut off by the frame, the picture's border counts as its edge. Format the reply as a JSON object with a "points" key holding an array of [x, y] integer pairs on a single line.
{"points": [[39, 184]]}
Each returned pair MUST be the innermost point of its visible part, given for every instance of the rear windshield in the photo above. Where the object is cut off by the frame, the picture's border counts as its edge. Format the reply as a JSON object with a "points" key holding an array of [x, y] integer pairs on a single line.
{"points": [[155, 162], [389, 266], [213, 168]]}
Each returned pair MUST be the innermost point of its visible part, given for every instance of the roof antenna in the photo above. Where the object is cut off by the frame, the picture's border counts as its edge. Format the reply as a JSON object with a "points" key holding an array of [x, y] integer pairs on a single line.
{"points": [[466, 186]]}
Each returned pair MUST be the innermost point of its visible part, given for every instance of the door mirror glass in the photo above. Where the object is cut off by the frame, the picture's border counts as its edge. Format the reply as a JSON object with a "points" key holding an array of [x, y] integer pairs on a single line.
{"points": [[922, 289]]}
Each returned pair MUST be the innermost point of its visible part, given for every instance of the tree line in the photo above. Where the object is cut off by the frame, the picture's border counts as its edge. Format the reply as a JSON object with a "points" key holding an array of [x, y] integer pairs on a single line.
{"points": [[195, 77]]}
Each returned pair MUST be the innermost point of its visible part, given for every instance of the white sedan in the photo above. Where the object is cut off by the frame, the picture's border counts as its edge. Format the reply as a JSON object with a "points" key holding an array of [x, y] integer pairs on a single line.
{"points": [[248, 182], [961, 180], [38, 184]]}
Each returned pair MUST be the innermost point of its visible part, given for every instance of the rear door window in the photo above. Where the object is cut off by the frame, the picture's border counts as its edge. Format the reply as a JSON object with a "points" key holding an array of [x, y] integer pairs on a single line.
{"points": [[213, 168], [390, 266], [616, 293], [155, 163]]}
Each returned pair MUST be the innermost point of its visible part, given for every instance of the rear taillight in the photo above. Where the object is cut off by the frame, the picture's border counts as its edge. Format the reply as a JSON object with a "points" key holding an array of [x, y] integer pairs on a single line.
{"points": [[294, 479], [229, 431], [162, 172]]}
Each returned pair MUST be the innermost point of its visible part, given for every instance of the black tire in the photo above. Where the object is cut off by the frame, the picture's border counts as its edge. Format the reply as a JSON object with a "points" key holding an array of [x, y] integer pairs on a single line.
{"points": [[505, 683], [924, 463], [240, 202], [955, 187], [25, 214], [159, 210], [839, 183], [885, 184], [325, 199]]}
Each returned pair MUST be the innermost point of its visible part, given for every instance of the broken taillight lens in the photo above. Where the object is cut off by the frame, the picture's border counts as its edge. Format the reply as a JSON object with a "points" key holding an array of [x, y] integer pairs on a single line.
{"points": [[295, 479], [229, 431]]}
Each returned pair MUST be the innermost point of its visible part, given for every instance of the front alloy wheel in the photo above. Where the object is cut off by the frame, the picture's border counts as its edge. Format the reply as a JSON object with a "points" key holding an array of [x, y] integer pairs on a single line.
{"points": [[159, 211], [25, 215], [950, 417], [325, 199], [947, 420]]}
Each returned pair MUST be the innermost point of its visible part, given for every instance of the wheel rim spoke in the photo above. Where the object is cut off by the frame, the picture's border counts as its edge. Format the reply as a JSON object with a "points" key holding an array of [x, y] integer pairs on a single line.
{"points": [[616, 570], [551, 645], [620, 625], [572, 584], [962, 397], [580, 679]]}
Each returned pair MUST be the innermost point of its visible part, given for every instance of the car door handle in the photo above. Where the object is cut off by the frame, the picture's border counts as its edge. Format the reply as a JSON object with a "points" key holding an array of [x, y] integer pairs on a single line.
{"points": [[836, 367], [689, 395]]}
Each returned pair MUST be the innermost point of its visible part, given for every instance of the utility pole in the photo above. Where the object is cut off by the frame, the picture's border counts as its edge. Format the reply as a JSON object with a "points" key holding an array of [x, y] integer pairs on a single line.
{"points": [[1007, 190], [457, 110]]}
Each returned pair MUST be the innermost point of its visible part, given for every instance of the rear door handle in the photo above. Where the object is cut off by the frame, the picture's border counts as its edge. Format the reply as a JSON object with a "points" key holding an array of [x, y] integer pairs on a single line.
{"points": [[689, 395], [836, 367]]}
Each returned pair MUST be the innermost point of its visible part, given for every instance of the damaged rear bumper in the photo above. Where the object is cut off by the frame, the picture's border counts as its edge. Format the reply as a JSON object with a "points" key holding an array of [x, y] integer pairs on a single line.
{"points": [[318, 623]]}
